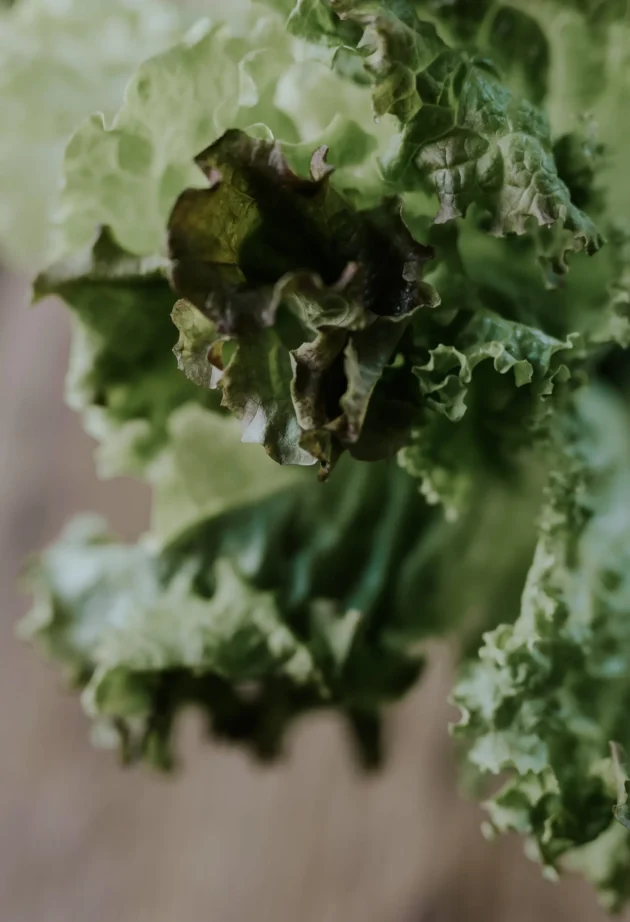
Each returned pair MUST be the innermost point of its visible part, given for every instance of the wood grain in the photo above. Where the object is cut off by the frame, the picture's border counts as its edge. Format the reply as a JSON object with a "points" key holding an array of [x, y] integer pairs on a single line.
{"points": [[310, 840]]}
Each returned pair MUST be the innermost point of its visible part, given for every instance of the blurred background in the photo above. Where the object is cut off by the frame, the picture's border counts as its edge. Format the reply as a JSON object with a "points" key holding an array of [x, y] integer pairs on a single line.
{"points": [[224, 840]]}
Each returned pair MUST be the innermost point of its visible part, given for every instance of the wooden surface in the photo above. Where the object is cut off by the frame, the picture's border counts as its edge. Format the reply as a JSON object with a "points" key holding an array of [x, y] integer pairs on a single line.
{"points": [[82, 840]]}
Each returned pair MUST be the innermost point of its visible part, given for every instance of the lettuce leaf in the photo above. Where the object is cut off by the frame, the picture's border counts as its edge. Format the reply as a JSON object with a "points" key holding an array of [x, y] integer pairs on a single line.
{"points": [[549, 692], [293, 594], [462, 131], [314, 295], [202, 472], [50, 80], [222, 75], [122, 378], [268, 599]]}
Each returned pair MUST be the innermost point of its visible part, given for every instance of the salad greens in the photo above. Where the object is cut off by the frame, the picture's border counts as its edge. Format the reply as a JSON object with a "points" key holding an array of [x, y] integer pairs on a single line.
{"points": [[350, 290]]}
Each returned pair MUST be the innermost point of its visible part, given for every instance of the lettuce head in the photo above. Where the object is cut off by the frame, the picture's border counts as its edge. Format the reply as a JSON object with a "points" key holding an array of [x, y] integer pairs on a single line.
{"points": [[349, 288]]}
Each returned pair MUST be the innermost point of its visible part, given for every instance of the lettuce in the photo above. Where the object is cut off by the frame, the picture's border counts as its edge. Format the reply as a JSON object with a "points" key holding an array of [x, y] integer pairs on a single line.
{"points": [[50, 79], [256, 612], [350, 280], [384, 239], [549, 692]]}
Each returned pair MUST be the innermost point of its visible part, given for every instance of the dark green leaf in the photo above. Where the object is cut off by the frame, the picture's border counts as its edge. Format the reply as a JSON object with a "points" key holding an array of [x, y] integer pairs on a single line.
{"points": [[314, 295]]}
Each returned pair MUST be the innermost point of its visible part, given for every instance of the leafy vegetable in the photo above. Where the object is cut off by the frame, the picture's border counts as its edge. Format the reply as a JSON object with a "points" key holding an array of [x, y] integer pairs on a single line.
{"points": [[251, 594], [127, 175], [387, 237], [122, 376], [463, 131], [550, 691], [51, 77], [261, 241]]}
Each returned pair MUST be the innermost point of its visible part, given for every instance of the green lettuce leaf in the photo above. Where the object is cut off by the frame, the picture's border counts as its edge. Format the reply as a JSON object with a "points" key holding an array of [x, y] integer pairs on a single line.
{"points": [[122, 377], [51, 78], [256, 608], [549, 693], [127, 172], [148, 648], [463, 131], [311, 295], [202, 471], [532, 357], [295, 594], [488, 380]]}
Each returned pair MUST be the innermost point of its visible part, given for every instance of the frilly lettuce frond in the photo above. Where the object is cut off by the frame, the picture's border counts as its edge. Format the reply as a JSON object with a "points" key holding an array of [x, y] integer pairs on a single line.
{"points": [[51, 78], [372, 233]]}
